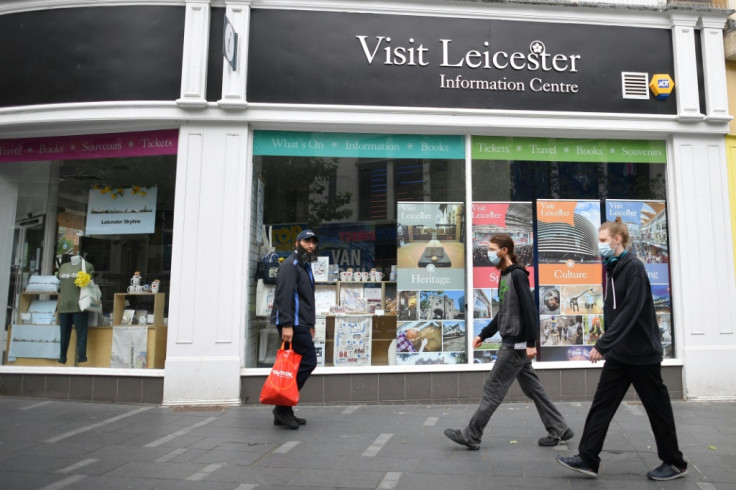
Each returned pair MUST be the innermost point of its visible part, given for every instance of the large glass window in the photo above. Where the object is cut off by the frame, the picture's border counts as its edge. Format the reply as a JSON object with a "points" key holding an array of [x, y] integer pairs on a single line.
{"points": [[551, 195], [379, 207], [110, 217], [350, 189]]}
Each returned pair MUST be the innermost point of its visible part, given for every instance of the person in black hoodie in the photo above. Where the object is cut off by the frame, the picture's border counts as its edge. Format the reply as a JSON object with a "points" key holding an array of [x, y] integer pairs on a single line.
{"points": [[293, 315], [633, 353], [516, 321]]}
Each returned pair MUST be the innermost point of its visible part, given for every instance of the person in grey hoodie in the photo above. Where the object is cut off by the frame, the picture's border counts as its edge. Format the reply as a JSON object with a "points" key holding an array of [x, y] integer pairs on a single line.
{"points": [[516, 321], [633, 351]]}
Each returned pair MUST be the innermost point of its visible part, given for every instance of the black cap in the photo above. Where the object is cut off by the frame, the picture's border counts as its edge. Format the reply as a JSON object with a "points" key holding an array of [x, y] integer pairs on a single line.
{"points": [[306, 235]]}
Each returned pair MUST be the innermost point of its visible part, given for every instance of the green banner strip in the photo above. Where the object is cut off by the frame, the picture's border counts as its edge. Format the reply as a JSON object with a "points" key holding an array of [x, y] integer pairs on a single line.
{"points": [[568, 150], [305, 144]]}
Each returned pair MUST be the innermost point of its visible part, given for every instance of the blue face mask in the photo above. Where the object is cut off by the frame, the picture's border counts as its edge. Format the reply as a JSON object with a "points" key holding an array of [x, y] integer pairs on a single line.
{"points": [[605, 249], [493, 257]]}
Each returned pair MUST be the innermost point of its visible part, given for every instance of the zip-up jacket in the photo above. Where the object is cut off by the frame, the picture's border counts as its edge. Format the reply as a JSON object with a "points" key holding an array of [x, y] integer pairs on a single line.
{"points": [[631, 334], [293, 303], [517, 315]]}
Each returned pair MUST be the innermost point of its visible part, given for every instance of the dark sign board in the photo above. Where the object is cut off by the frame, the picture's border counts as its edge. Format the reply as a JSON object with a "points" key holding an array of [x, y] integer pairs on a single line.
{"points": [[301, 57], [91, 54]]}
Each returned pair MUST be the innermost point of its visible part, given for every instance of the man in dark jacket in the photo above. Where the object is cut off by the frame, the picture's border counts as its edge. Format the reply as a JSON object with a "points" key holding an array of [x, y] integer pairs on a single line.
{"points": [[633, 353], [293, 315]]}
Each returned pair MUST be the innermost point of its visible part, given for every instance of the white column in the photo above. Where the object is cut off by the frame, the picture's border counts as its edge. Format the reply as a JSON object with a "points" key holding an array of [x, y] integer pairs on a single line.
{"points": [[234, 81], [714, 69], [686, 73], [703, 283], [194, 59], [207, 307]]}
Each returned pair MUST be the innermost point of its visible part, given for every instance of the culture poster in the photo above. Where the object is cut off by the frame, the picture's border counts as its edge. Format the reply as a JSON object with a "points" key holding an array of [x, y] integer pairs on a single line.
{"points": [[647, 225], [352, 341], [129, 347], [570, 278], [491, 218]]}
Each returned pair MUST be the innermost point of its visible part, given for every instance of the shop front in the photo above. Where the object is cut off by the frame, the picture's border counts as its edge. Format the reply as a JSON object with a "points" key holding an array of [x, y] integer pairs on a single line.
{"points": [[405, 139]]}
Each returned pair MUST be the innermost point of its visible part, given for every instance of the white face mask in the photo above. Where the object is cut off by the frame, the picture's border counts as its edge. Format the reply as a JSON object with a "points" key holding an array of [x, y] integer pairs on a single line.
{"points": [[493, 257], [605, 249]]}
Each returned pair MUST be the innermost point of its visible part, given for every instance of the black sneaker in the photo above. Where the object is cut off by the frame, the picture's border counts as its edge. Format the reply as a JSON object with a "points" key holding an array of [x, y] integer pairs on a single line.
{"points": [[550, 441], [576, 463], [285, 419], [299, 421], [666, 472], [456, 436]]}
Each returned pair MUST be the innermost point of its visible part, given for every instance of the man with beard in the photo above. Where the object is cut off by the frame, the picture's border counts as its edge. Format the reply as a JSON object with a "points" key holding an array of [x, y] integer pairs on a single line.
{"points": [[293, 315]]}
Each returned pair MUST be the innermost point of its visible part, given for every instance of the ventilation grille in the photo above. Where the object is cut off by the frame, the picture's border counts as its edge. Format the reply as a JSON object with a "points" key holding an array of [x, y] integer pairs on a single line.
{"points": [[635, 85]]}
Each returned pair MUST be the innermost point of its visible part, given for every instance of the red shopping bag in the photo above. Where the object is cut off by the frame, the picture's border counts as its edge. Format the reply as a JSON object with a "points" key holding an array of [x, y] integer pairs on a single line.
{"points": [[280, 387]]}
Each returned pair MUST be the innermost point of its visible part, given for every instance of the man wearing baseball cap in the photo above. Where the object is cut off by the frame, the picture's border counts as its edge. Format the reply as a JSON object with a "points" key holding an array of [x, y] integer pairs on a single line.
{"points": [[293, 315]]}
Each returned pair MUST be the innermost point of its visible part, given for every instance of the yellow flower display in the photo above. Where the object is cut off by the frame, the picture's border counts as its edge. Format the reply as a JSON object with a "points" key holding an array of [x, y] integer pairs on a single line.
{"points": [[82, 279]]}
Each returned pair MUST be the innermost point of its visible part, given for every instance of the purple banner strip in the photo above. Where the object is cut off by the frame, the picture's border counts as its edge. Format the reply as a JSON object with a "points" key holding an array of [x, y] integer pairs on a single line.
{"points": [[115, 145]]}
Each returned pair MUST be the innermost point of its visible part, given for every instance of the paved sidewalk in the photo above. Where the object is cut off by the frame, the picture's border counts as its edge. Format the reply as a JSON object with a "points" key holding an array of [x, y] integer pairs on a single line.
{"points": [[55, 445]]}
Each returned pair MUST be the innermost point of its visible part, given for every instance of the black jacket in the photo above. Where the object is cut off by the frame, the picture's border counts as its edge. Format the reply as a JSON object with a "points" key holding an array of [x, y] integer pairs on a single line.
{"points": [[631, 334], [517, 315], [293, 304]]}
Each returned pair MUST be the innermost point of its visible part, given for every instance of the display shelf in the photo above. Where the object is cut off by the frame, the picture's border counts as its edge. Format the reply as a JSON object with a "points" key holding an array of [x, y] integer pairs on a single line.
{"points": [[118, 306], [157, 331], [24, 303]]}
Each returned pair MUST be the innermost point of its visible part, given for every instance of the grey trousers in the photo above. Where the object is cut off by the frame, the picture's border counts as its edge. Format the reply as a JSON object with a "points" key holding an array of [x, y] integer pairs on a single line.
{"points": [[513, 364]]}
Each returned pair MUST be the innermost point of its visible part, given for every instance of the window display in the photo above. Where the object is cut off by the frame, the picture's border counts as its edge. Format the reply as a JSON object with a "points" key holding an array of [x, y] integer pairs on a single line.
{"points": [[100, 211], [390, 214], [571, 185], [350, 189]]}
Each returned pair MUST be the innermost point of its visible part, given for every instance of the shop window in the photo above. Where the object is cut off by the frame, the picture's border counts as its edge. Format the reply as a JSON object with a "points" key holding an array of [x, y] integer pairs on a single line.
{"points": [[107, 200], [551, 195], [364, 303]]}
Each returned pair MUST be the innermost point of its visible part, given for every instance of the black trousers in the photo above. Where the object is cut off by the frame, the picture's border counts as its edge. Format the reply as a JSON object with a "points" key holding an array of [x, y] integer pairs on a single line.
{"points": [[303, 344], [79, 320], [616, 378]]}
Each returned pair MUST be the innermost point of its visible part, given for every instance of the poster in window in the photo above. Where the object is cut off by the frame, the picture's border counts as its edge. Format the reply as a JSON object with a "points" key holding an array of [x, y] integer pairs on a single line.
{"points": [[129, 347], [431, 342], [570, 278], [492, 218], [431, 246], [121, 211], [352, 340], [647, 225]]}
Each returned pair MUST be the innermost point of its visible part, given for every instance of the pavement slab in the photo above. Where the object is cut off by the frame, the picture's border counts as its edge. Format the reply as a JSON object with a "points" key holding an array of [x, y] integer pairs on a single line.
{"points": [[61, 444]]}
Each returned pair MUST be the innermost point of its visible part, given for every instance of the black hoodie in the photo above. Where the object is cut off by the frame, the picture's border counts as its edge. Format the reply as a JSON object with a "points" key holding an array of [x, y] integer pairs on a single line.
{"points": [[517, 315], [631, 333]]}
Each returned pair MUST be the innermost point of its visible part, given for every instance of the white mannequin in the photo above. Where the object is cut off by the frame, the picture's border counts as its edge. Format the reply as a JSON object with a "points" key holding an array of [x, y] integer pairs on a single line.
{"points": [[76, 259]]}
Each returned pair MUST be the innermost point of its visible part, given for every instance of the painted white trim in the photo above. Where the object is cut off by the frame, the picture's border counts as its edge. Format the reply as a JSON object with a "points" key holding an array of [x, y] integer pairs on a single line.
{"points": [[444, 368], [234, 82], [585, 12], [686, 73], [64, 119], [15, 6], [714, 73], [195, 55]]}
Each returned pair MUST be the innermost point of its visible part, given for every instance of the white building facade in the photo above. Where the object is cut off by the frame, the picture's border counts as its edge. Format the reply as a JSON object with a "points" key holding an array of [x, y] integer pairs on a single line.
{"points": [[255, 119]]}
